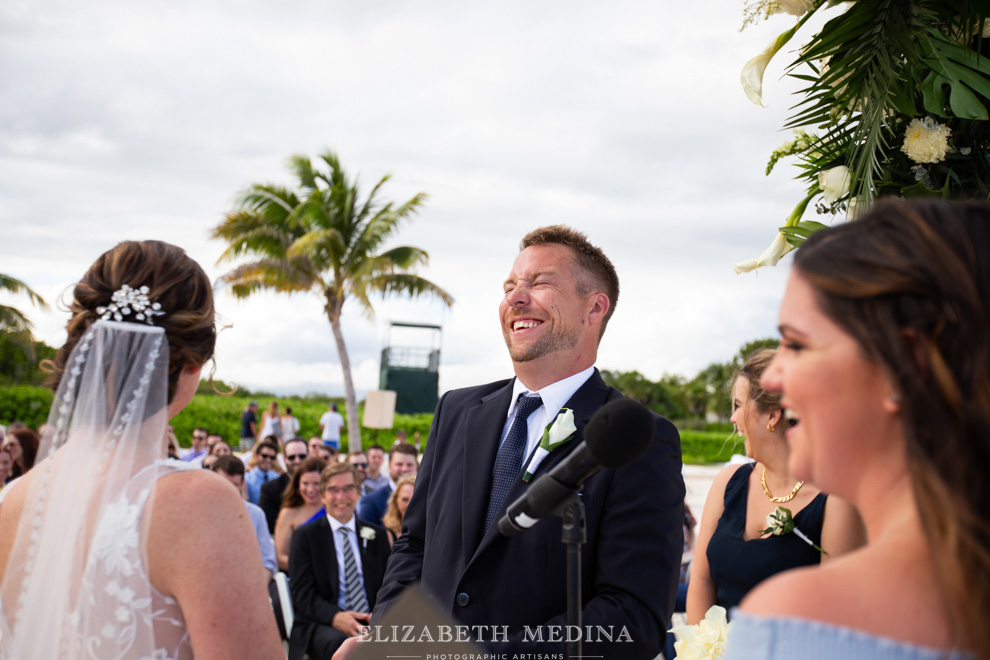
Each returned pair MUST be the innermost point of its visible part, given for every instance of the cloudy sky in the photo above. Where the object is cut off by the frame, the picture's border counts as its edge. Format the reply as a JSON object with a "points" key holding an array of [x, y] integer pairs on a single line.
{"points": [[138, 120]]}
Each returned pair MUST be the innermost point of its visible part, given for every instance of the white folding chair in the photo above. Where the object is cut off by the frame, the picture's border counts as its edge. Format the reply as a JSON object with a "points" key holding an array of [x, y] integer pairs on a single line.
{"points": [[285, 601]]}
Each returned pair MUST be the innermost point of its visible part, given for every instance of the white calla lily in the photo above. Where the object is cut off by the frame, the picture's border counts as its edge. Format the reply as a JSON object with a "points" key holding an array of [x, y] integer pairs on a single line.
{"points": [[834, 183], [752, 74], [778, 248]]}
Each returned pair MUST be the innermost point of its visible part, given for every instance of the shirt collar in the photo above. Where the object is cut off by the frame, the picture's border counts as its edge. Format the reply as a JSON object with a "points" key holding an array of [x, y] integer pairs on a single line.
{"points": [[336, 524], [554, 395]]}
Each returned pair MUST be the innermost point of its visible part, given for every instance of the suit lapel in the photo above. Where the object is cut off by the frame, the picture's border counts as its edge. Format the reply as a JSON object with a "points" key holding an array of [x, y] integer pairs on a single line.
{"points": [[585, 402], [327, 541], [481, 432]]}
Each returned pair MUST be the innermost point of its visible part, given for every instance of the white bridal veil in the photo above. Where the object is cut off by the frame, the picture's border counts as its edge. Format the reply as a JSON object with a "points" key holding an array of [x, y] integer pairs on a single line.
{"points": [[75, 584]]}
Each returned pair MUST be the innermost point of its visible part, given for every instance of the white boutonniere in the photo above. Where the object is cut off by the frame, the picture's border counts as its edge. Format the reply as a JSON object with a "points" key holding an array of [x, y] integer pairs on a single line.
{"points": [[559, 431], [781, 522], [368, 534]]}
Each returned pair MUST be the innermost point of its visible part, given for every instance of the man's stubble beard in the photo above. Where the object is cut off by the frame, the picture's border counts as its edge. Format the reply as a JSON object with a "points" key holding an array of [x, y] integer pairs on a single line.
{"points": [[551, 342]]}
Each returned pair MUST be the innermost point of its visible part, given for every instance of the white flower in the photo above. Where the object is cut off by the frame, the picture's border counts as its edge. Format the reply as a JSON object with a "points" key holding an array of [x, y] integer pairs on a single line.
{"points": [[368, 534], [562, 429], [123, 614], [778, 248], [834, 183], [706, 639], [926, 141], [793, 7], [752, 74]]}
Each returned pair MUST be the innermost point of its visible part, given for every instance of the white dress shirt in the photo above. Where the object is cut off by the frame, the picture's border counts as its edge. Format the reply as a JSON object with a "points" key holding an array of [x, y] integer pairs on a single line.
{"points": [[554, 397]]}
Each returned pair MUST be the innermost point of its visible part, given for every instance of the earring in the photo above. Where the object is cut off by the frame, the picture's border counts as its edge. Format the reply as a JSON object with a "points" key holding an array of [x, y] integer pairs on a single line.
{"points": [[770, 427]]}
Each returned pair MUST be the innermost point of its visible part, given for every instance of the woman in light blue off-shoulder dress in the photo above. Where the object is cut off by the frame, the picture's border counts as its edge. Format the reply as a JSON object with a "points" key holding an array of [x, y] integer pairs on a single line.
{"points": [[884, 368]]}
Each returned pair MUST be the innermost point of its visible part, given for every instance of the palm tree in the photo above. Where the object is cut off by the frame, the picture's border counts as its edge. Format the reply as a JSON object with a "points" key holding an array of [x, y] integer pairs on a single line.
{"points": [[13, 323], [321, 238]]}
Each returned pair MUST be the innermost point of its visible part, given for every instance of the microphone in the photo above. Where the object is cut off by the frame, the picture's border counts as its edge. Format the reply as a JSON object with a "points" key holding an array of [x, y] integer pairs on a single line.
{"points": [[617, 434]]}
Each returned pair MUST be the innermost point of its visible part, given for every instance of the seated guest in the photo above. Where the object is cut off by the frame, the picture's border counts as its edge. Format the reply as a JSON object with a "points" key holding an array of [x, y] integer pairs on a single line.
{"points": [[22, 443], [327, 454], [216, 446], [332, 600], [314, 445], [397, 503], [885, 367], [733, 554], [198, 448], [171, 443], [264, 469], [6, 465], [232, 469], [359, 460], [301, 502], [401, 461], [273, 491], [376, 477]]}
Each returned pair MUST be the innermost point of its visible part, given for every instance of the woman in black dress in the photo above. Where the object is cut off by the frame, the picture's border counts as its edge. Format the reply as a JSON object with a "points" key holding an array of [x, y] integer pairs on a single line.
{"points": [[733, 554]]}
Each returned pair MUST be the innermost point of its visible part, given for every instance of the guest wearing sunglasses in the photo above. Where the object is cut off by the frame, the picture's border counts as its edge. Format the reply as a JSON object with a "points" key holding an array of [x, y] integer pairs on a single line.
{"points": [[272, 492], [265, 468], [359, 461]]}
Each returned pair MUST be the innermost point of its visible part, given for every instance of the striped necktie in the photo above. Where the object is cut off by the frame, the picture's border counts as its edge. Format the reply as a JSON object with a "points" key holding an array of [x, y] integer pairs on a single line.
{"points": [[509, 461], [354, 598]]}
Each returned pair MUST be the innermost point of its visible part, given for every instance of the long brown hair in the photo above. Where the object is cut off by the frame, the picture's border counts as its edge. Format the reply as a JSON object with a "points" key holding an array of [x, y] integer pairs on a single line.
{"points": [[291, 498], [29, 442], [910, 282], [393, 518], [174, 280]]}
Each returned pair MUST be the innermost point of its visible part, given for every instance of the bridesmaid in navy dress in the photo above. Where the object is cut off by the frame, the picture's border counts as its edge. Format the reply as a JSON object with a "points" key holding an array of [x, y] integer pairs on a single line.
{"points": [[733, 554]]}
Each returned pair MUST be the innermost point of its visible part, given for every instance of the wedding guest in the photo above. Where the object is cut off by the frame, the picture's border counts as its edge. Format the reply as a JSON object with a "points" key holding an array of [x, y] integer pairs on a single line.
{"points": [[331, 424], [102, 544], [264, 468], [198, 448], [22, 443], [733, 554], [884, 367], [359, 460], [314, 445], [271, 422], [376, 478], [249, 426], [397, 503], [402, 460], [290, 425], [272, 492], [301, 502], [232, 469], [220, 448], [171, 443], [6, 465]]}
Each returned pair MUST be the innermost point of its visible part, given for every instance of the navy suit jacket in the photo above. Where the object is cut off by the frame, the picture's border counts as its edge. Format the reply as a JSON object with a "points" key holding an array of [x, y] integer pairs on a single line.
{"points": [[372, 506], [315, 581], [630, 563]]}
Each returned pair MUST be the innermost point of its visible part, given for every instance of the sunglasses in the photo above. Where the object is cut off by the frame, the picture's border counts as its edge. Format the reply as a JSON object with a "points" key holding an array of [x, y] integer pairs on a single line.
{"points": [[295, 457], [360, 465], [270, 457]]}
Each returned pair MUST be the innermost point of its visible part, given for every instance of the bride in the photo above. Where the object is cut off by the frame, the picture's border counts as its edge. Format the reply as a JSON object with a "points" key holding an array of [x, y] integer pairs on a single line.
{"points": [[106, 549]]}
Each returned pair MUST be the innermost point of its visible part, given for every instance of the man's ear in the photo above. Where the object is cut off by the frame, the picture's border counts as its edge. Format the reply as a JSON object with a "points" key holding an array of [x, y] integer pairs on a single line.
{"points": [[600, 305]]}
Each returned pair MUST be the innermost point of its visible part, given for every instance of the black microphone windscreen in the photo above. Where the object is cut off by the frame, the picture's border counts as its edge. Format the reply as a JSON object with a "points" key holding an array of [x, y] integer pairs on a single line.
{"points": [[619, 432]]}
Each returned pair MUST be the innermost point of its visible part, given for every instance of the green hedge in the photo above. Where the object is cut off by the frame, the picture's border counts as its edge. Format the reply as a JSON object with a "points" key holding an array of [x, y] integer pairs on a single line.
{"points": [[222, 414]]}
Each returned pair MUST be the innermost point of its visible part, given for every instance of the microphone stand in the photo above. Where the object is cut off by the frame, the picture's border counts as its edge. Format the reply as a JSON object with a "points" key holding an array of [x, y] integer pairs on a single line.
{"points": [[573, 535]]}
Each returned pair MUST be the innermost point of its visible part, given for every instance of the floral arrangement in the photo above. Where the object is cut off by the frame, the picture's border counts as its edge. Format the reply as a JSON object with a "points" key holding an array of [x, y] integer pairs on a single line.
{"points": [[894, 104], [781, 522], [706, 639], [367, 534]]}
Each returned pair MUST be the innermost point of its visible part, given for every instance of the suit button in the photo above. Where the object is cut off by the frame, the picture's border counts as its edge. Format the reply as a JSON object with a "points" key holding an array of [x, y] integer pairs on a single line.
{"points": [[463, 599]]}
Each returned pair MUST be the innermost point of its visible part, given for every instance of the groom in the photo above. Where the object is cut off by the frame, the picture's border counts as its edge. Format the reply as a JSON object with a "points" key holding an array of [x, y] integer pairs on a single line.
{"points": [[559, 296]]}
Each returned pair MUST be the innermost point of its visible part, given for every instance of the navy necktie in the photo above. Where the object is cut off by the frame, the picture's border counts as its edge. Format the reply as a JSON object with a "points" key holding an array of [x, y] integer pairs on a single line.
{"points": [[508, 463]]}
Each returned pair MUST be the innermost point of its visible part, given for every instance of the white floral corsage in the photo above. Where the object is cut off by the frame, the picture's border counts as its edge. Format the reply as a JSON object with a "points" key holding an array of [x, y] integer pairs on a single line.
{"points": [[781, 522], [368, 534], [559, 431]]}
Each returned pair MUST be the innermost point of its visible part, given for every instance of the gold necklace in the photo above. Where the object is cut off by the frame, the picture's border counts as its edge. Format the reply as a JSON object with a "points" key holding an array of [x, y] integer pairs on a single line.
{"points": [[778, 500]]}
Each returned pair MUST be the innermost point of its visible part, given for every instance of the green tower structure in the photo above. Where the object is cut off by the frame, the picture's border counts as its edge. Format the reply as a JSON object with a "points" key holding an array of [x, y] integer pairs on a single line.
{"points": [[412, 371]]}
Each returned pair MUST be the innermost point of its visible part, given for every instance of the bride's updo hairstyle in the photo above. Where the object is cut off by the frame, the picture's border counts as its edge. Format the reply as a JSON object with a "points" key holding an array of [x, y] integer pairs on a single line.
{"points": [[910, 282], [174, 281]]}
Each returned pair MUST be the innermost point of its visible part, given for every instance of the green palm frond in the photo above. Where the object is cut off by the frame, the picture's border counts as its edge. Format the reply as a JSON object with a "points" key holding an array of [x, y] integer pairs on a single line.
{"points": [[13, 321], [16, 286]]}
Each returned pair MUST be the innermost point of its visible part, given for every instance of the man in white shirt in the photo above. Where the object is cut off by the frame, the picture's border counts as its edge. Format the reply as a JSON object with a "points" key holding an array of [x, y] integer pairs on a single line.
{"points": [[232, 469], [331, 424], [332, 600]]}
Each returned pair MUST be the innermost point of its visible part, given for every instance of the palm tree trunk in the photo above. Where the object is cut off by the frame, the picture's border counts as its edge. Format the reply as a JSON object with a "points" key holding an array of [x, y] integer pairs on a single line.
{"points": [[350, 399]]}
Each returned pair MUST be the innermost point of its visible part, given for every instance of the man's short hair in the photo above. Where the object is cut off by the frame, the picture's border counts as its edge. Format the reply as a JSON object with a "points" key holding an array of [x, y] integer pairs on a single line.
{"points": [[595, 270], [335, 468], [304, 444], [404, 448], [271, 442], [204, 430], [229, 465], [356, 453], [376, 446]]}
